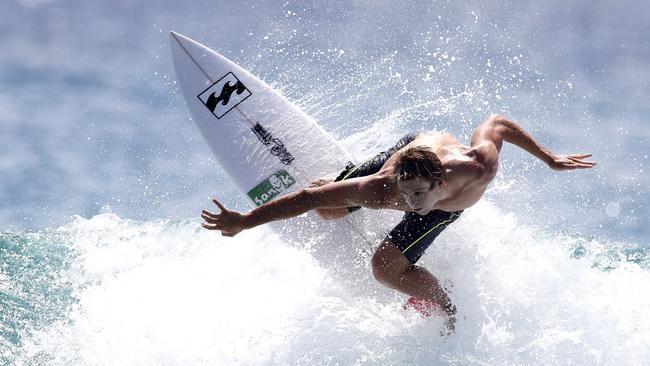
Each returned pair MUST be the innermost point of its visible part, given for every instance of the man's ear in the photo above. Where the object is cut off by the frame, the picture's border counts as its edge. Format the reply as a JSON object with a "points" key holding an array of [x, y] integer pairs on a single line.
{"points": [[433, 186]]}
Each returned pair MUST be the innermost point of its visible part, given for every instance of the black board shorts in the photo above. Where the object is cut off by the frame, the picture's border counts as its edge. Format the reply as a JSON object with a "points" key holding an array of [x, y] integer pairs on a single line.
{"points": [[415, 233]]}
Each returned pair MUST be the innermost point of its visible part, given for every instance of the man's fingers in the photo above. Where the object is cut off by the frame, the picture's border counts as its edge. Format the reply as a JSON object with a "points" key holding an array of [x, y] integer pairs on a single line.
{"points": [[575, 163], [579, 160], [576, 160], [219, 205], [209, 214], [582, 165], [578, 157], [216, 227], [209, 227], [588, 163], [210, 219]]}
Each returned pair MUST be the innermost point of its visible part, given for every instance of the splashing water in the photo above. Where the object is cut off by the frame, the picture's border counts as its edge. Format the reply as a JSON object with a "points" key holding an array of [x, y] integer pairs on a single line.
{"points": [[111, 291]]}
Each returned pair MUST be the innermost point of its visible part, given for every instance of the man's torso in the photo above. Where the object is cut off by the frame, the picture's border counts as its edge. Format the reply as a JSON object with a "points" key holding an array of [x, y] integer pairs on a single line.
{"points": [[467, 170]]}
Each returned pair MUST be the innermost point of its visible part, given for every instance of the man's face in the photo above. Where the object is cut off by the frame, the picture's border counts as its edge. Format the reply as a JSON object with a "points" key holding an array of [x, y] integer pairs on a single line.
{"points": [[420, 194]]}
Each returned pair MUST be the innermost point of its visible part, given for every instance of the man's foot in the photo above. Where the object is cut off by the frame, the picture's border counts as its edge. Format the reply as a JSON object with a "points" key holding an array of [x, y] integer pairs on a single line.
{"points": [[425, 307], [429, 307]]}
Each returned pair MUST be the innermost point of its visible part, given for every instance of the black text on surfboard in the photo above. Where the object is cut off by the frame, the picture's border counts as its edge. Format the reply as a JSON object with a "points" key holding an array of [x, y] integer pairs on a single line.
{"points": [[224, 95], [275, 146]]}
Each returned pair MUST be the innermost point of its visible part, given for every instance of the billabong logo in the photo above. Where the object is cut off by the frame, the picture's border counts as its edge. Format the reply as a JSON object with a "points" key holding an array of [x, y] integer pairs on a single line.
{"points": [[224, 95]]}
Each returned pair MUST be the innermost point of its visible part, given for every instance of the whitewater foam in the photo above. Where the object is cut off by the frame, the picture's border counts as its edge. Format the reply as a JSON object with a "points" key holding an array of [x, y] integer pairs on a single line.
{"points": [[168, 292]]}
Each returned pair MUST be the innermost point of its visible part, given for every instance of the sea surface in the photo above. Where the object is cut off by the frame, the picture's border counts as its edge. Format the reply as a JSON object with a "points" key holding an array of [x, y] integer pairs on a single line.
{"points": [[107, 290], [103, 176]]}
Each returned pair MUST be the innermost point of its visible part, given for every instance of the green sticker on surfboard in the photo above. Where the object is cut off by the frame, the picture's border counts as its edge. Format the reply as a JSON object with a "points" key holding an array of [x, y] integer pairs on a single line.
{"points": [[271, 187]]}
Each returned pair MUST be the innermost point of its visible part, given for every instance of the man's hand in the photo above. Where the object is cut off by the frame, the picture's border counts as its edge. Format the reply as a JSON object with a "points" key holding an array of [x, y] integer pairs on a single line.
{"points": [[229, 222], [568, 162]]}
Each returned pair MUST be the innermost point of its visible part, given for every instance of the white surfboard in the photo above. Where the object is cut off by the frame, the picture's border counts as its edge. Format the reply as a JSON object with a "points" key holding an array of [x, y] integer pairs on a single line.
{"points": [[269, 147], [265, 144]]}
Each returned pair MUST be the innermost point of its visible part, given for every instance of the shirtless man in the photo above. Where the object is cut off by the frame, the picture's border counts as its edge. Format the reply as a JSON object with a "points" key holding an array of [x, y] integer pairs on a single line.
{"points": [[430, 175]]}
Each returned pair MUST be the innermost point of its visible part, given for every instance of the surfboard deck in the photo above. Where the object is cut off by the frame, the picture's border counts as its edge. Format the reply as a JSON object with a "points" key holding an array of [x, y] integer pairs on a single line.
{"points": [[268, 147], [264, 143]]}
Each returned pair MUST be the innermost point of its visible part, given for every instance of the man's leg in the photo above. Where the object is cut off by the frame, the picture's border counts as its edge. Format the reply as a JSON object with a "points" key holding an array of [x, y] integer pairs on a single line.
{"points": [[328, 213], [391, 268], [331, 213], [394, 261]]}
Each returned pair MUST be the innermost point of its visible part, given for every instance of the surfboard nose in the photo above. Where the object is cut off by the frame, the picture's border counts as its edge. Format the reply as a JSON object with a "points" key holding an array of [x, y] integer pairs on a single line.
{"points": [[177, 37], [187, 43], [187, 51]]}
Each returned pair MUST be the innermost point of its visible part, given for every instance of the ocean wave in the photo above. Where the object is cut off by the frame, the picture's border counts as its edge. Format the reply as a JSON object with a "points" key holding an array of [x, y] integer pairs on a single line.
{"points": [[113, 291]]}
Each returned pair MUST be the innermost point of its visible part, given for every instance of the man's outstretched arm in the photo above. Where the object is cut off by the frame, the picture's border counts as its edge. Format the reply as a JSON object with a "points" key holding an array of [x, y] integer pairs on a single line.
{"points": [[352, 192], [496, 129]]}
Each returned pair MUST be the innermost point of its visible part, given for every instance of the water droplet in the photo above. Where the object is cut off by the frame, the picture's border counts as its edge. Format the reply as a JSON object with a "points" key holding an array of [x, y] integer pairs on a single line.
{"points": [[613, 209]]}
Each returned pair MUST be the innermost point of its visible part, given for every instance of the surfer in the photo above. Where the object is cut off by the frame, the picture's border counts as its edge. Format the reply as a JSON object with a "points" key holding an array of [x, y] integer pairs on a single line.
{"points": [[430, 176]]}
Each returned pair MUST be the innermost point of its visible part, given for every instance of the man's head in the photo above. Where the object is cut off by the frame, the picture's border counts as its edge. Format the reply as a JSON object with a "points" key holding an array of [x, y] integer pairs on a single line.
{"points": [[420, 178]]}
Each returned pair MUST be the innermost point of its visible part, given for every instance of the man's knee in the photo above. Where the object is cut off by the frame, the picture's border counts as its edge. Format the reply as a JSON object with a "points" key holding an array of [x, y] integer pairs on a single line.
{"points": [[382, 273], [388, 263]]}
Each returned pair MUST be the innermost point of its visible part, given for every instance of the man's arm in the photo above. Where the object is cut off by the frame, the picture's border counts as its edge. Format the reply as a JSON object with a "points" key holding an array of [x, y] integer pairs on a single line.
{"points": [[495, 129], [364, 191]]}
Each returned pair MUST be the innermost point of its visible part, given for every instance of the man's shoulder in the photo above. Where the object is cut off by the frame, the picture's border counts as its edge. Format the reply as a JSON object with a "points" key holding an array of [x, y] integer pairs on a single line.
{"points": [[486, 157], [479, 165]]}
